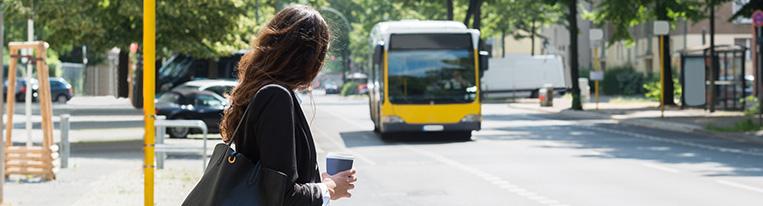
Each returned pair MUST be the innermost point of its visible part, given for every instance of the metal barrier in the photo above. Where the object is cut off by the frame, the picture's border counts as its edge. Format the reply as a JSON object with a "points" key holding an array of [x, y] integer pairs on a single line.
{"points": [[65, 148], [162, 149]]}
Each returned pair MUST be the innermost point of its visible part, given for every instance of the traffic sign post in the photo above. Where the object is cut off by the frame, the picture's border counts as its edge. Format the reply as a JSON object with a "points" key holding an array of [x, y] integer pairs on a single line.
{"points": [[757, 23], [149, 59], [597, 75], [661, 28]]}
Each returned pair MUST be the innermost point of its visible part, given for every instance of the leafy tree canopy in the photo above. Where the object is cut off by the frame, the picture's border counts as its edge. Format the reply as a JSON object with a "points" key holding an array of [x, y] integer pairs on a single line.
{"points": [[625, 14], [202, 28]]}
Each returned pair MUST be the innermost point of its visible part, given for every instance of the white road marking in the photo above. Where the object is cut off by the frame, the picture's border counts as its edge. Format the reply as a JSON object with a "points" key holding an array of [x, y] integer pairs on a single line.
{"points": [[504, 184], [658, 167], [740, 186]]}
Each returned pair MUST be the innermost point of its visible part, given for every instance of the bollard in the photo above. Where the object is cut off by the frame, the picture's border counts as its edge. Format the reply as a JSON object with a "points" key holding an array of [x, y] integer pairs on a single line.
{"points": [[65, 149], [160, 131]]}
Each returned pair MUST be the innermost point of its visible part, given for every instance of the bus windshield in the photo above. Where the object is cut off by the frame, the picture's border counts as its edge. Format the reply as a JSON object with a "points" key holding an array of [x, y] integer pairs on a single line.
{"points": [[431, 75]]}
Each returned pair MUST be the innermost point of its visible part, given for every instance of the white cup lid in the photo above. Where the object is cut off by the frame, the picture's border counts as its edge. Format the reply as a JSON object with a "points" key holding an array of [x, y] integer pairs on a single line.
{"points": [[340, 156]]}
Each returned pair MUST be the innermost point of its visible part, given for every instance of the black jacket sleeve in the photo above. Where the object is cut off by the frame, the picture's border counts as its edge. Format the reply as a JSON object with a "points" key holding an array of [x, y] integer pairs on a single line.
{"points": [[276, 141]]}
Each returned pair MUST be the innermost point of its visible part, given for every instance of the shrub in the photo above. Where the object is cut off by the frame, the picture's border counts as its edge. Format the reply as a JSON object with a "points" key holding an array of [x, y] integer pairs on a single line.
{"points": [[653, 89], [622, 80], [752, 106], [349, 88]]}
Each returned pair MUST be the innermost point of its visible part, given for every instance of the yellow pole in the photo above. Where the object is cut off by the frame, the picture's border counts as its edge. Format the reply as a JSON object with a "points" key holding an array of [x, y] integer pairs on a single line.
{"points": [[149, 59], [597, 68], [662, 77]]}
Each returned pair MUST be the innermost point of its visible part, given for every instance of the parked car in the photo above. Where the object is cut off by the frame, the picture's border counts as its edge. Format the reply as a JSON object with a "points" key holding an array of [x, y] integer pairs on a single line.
{"points": [[21, 87], [193, 105], [60, 90], [179, 69], [331, 88], [219, 87]]}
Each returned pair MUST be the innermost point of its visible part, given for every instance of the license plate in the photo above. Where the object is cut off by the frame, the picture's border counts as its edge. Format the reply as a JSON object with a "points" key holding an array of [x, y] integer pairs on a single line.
{"points": [[432, 128]]}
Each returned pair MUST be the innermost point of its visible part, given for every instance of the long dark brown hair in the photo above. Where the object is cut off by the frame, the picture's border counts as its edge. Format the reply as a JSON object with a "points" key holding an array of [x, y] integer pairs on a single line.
{"points": [[288, 51]]}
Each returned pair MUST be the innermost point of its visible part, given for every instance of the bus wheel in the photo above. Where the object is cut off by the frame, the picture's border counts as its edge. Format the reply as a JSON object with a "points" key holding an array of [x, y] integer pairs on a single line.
{"points": [[386, 135], [463, 136]]}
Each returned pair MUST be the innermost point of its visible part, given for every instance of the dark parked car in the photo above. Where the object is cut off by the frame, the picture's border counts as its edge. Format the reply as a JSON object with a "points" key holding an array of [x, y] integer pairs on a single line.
{"points": [[60, 90], [20, 93], [191, 104], [331, 88], [220, 87]]}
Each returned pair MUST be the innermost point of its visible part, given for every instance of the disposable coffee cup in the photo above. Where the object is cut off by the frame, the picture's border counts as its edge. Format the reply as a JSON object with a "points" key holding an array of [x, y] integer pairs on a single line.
{"points": [[336, 163]]}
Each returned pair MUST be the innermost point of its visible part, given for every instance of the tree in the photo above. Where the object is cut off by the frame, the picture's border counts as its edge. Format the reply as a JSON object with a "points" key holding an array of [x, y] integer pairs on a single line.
{"points": [[747, 9], [623, 15], [571, 18], [364, 14], [201, 28], [519, 18]]}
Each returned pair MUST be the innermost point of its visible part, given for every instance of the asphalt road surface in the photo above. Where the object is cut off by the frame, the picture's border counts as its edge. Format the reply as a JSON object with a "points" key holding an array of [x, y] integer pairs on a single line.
{"points": [[528, 158]]}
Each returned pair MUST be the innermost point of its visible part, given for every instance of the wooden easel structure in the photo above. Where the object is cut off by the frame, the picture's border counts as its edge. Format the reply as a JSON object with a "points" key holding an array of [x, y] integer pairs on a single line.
{"points": [[30, 160]]}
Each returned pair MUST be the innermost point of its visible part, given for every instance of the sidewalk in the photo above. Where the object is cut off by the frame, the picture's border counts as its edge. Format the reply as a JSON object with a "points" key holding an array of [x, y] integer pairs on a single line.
{"points": [[644, 113], [87, 105]]}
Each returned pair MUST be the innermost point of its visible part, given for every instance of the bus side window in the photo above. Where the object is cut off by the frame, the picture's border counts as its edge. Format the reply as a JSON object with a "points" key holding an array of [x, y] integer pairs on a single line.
{"points": [[378, 70]]}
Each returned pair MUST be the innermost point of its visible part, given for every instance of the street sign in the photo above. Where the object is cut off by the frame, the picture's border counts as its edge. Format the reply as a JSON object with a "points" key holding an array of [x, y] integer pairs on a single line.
{"points": [[757, 18], [596, 75], [661, 28], [596, 34]]}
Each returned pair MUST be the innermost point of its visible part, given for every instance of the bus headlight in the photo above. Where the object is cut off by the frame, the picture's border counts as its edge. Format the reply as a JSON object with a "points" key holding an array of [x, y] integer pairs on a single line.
{"points": [[392, 119], [471, 118]]}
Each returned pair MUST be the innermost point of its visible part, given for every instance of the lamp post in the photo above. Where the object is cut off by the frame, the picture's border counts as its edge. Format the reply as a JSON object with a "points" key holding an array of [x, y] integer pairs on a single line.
{"points": [[661, 29]]}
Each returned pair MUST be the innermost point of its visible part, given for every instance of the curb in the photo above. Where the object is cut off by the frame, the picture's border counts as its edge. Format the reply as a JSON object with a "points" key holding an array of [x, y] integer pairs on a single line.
{"points": [[652, 124]]}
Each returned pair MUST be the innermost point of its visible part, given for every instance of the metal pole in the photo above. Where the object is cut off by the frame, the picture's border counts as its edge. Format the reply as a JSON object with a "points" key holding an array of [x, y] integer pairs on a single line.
{"points": [[759, 72], [662, 77], [597, 68], [28, 93], [712, 59], [160, 131], [149, 59], [65, 149]]}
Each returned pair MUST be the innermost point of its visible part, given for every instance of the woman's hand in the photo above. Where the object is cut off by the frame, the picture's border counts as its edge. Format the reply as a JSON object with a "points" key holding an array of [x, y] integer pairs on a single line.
{"points": [[340, 184]]}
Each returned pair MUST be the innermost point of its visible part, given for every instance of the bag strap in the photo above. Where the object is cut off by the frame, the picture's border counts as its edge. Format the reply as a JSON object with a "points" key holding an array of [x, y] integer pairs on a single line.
{"points": [[249, 106]]}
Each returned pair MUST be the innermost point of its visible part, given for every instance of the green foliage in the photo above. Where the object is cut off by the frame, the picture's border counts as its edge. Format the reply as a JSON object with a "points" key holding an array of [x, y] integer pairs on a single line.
{"points": [[622, 81], [751, 110], [653, 89], [752, 106], [623, 15], [518, 18], [747, 9], [201, 28], [746, 125], [349, 88]]}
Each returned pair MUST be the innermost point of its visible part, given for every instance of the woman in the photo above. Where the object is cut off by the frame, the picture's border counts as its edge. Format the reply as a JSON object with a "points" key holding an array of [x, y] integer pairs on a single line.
{"points": [[288, 52]]}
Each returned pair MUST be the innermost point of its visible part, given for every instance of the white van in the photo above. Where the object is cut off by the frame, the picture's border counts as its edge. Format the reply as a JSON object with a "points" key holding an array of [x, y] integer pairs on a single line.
{"points": [[523, 75]]}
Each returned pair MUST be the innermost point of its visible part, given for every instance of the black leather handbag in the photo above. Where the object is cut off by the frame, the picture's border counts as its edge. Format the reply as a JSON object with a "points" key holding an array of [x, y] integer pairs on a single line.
{"points": [[232, 179]]}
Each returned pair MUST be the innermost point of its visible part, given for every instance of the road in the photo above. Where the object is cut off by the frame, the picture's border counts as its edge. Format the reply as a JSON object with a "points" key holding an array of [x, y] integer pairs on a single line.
{"points": [[528, 158]]}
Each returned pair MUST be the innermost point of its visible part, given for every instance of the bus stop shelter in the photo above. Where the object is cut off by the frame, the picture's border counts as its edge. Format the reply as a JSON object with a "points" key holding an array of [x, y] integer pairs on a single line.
{"points": [[723, 86]]}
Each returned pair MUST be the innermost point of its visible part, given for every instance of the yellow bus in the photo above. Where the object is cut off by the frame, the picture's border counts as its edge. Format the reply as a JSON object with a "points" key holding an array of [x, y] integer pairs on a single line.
{"points": [[424, 77]]}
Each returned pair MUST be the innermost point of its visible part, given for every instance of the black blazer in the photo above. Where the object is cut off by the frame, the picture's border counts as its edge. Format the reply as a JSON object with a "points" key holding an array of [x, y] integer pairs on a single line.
{"points": [[276, 133]]}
